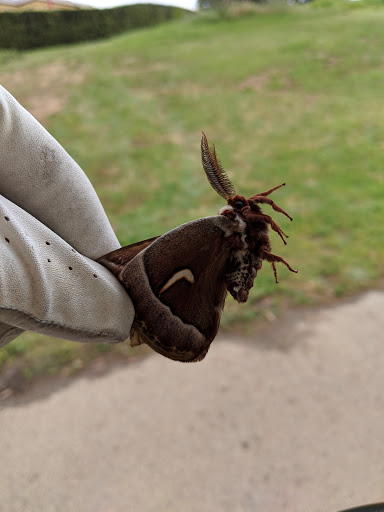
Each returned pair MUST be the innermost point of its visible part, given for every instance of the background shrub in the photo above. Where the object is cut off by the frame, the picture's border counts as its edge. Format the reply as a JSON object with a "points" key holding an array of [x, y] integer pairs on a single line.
{"points": [[31, 29]]}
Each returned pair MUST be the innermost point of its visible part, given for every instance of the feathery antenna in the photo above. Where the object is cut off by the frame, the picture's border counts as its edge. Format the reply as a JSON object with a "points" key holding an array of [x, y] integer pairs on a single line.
{"points": [[216, 175]]}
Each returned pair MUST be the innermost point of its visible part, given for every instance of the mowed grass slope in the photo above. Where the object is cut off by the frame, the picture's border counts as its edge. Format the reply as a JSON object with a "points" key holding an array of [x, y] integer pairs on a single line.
{"points": [[291, 96]]}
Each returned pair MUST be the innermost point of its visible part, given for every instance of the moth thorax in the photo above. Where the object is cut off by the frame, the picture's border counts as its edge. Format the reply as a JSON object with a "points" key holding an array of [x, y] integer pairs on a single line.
{"points": [[239, 225]]}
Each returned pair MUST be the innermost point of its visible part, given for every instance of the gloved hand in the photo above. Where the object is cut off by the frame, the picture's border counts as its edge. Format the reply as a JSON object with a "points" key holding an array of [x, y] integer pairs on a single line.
{"points": [[52, 227]]}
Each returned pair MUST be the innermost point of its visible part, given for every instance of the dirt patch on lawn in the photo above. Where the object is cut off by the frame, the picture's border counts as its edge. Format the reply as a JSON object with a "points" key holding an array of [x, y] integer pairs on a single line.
{"points": [[44, 90]]}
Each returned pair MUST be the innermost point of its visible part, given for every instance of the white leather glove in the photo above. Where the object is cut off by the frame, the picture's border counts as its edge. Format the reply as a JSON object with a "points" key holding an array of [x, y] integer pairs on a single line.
{"points": [[52, 227]]}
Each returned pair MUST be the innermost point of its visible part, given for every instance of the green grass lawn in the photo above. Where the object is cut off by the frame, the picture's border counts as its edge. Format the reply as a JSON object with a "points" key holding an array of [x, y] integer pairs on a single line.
{"points": [[292, 95]]}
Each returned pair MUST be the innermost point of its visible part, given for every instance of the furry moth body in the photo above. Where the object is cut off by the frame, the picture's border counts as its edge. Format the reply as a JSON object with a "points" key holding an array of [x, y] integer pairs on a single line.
{"points": [[178, 281]]}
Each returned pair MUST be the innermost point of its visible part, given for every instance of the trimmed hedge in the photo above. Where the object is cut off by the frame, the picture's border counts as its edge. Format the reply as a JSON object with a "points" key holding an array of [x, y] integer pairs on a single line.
{"points": [[32, 29]]}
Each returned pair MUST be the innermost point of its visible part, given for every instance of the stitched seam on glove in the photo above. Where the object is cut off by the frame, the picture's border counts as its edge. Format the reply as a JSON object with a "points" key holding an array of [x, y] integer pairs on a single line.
{"points": [[20, 317]]}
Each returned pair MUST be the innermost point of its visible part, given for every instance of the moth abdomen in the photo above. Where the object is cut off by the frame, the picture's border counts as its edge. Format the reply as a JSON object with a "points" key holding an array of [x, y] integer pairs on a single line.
{"points": [[240, 275]]}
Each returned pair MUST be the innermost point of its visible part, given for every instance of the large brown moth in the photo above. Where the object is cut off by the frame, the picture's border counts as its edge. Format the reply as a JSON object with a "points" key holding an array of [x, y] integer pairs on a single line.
{"points": [[178, 281]]}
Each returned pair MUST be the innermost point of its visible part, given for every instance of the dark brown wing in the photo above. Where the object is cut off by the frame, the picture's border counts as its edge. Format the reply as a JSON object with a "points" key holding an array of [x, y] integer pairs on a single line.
{"points": [[177, 286], [114, 261]]}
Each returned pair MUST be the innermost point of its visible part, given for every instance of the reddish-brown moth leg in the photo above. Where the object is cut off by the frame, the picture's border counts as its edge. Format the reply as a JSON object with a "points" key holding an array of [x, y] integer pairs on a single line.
{"points": [[274, 272], [270, 221], [266, 200], [271, 190], [272, 258]]}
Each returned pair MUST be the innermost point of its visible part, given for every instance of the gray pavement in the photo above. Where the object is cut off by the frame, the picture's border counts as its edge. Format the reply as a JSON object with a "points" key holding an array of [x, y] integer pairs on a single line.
{"points": [[291, 420]]}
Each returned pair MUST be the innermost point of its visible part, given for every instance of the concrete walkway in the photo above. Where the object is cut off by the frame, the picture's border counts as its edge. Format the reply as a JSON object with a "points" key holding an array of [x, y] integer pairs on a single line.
{"points": [[290, 421]]}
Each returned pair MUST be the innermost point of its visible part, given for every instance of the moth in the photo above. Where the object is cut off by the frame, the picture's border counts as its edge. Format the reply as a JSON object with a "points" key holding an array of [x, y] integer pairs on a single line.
{"points": [[178, 282]]}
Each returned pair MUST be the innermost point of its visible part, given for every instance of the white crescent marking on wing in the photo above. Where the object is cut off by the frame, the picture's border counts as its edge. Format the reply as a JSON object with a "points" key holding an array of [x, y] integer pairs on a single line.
{"points": [[181, 274]]}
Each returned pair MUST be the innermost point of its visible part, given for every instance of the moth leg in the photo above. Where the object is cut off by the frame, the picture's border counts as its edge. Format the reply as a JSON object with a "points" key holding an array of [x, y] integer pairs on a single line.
{"points": [[271, 190], [272, 258], [261, 199], [274, 271], [271, 222]]}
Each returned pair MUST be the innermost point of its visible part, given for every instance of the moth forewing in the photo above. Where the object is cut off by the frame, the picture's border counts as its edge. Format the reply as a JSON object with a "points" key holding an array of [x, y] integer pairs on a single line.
{"points": [[177, 285]]}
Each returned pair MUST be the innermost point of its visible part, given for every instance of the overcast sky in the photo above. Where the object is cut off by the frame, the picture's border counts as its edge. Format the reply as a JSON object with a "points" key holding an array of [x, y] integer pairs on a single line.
{"points": [[101, 4]]}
